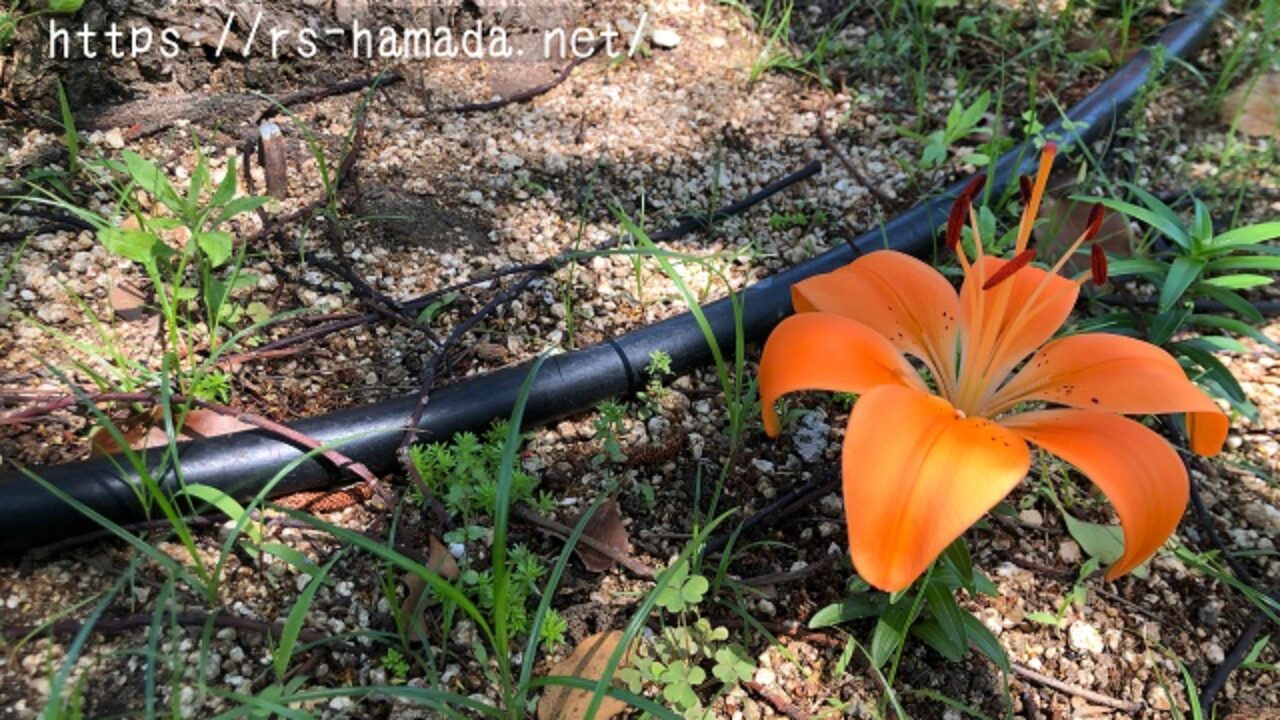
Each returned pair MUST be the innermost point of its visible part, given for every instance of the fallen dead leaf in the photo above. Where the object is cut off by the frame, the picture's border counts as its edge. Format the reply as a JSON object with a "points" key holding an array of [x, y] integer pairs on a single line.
{"points": [[1065, 219], [587, 661], [127, 301], [606, 528], [145, 430], [439, 561], [1109, 37], [1258, 105]]}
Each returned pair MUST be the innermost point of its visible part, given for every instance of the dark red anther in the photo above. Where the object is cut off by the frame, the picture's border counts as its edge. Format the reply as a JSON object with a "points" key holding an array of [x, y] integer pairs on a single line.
{"points": [[1024, 187], [974, 187], [1091, 229], [955, 221], [1098, 263], [1007, 270]]}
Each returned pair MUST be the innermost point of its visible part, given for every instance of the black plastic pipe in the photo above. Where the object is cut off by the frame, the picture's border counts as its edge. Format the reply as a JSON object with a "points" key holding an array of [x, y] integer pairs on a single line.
{"points": [[567, 384]]}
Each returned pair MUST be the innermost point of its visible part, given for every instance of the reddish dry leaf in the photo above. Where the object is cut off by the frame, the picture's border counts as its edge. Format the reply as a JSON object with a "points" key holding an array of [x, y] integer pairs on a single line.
{"points": [[1108, 36], [588, 661], [441, 562], [1258, 107], [606, 528], [146, 430], [127, 301]]}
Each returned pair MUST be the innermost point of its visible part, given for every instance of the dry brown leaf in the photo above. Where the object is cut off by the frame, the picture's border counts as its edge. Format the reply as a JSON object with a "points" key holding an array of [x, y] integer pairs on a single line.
{"points": [[1109, 36], [145, 430], [1065, 219], [1258, 107], [606, 528], [588, 661], [439, 561], [127, 301]]}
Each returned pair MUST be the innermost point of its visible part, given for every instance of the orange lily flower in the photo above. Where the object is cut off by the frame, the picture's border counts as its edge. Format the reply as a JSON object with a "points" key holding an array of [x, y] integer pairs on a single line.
{"points": [[922, 463]]}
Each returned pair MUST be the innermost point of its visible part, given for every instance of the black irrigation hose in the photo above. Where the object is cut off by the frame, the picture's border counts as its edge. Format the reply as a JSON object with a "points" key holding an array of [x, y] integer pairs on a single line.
{"points": [[568, 383]]}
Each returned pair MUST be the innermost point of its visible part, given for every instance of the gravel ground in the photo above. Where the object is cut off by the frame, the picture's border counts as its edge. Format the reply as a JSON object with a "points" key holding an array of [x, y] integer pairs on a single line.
{"points": [[678, 131]]}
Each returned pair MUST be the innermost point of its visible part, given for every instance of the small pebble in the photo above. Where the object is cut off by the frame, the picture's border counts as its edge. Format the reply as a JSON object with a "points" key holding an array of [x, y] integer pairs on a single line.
{"points": [[1085, 637], [665, 38]]}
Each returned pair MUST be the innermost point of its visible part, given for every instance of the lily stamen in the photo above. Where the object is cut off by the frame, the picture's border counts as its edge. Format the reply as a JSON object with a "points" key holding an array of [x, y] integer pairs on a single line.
{"points": [[1098, 264], [1006, 271]]}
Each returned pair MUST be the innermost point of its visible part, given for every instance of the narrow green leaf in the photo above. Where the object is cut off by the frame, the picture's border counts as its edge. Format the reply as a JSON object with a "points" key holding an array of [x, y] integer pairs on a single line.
{"points": [[239, 206], [1169, 220], [226, 504], [298, 614], [1247, 235], [227, 188], [1170, 228], [891, 631], [986, 642], [1239, 281], [1212, 368], [849, 609], [1233, 301], [69, 134], [65, 7], [195, 184], [1044, 618], [1238, 327], [957, 557], [1244, 262], [1201, 226], [1124, 267], [933, 635], [150, 178], [948, 616], [1182, 273], [295, 559]]}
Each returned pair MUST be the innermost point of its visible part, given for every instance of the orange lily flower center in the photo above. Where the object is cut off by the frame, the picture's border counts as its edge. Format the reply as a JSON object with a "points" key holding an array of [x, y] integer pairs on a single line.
{"points": [[995, 311]]}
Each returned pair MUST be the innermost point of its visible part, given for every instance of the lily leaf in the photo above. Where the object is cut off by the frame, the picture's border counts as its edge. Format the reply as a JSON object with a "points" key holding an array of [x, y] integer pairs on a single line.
{"points": [[1182, 273]]}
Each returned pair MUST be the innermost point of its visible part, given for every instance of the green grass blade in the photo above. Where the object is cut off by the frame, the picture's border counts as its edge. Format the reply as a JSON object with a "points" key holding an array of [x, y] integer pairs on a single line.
{"points": [[297, 615], [501, 521]]}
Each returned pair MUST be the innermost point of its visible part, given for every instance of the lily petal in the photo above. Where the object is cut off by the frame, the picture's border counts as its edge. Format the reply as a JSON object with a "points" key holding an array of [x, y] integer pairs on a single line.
{"points": [[897, 295], [1136, 468], [1023, 313], [916, 476], [822, 351], [1100, 371]]}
